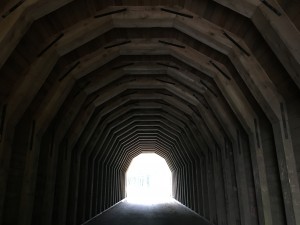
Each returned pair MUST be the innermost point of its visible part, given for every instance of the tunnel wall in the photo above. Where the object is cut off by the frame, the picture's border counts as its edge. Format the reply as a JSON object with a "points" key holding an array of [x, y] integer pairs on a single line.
{"points": [[210, 86]]}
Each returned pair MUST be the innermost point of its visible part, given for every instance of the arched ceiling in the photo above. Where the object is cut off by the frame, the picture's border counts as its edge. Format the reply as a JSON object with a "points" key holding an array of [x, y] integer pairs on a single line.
{"points": [[86, 57], [177, 54], [115, 78]]}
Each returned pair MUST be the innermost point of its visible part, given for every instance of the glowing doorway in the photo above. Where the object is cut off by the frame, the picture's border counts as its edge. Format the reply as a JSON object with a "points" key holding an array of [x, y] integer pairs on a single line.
{"points": [[148, 180]]}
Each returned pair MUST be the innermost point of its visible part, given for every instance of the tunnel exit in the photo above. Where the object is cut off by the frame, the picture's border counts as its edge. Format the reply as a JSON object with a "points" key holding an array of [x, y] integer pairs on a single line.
{"points": [[148, 180]]}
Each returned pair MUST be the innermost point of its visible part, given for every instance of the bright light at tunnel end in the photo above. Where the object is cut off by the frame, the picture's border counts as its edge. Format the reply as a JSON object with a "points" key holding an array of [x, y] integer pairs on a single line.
{"points": [[148, 180]]}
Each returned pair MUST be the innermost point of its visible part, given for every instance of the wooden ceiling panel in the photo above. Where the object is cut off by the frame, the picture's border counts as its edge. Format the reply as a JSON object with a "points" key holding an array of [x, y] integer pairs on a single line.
{"points": [[67, 16], [118, 35], [45, 29], [292, 9], [150, 2], [226, 18], [3, 5], [14, 69], [197, 7], [251, 84]]}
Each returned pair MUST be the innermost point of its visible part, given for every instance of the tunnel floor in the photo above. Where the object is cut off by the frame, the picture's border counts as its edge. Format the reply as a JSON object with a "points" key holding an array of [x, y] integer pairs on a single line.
{"points": [[170, 212]]}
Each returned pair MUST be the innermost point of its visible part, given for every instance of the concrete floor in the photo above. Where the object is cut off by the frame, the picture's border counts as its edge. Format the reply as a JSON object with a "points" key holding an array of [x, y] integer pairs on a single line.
{"points": [[170, 212]]}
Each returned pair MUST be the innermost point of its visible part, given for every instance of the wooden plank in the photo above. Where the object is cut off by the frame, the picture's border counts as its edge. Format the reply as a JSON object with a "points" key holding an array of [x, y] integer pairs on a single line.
{"points": [[283, 37], [245, 7], [197, 66], [263, 93], [14, 26], [279, 32]]}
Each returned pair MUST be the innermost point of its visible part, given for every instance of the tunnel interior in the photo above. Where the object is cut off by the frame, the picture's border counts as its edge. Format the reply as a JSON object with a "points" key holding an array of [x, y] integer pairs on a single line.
{"points": [[211, 86]]}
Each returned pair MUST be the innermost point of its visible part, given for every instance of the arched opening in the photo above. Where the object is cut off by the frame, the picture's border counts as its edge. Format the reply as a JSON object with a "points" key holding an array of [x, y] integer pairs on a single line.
{"points": [[148, 180]]}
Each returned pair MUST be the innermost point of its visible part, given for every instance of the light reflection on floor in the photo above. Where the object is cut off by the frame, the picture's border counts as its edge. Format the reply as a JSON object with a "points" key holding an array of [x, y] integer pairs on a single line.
{"points": [[148, 200]]}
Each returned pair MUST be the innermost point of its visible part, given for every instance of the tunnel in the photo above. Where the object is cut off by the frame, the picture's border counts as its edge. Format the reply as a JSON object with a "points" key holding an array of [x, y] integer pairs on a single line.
{"points": [[211, 86]]}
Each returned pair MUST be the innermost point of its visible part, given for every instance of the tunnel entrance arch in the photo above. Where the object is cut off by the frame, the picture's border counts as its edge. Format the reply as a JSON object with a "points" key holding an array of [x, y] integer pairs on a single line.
{"points": [[148, 180]]}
